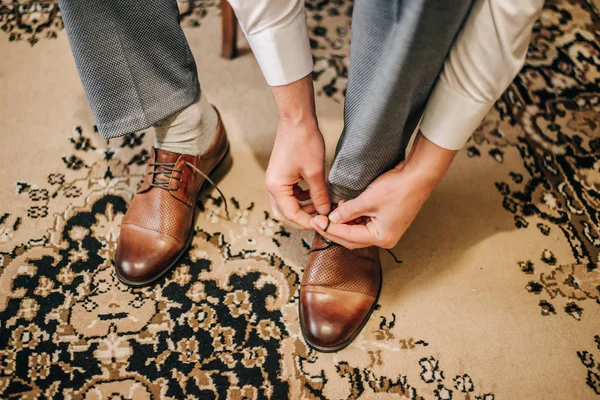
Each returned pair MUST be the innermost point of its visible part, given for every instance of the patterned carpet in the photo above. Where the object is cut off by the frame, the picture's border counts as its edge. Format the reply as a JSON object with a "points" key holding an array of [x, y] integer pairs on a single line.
{"points": [[497, 295]]}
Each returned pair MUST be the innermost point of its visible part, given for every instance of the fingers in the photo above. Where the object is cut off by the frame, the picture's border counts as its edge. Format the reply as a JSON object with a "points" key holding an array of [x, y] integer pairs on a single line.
{"points": [[304, 195], [345, 243], [285, 200], [287, 210], [309, 208], [350, 236], [319, 193], [278, 217], [349, 210]]}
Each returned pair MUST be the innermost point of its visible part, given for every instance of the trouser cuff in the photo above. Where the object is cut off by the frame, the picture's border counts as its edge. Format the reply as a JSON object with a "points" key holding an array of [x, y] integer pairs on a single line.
{"points": [[337, 193]]}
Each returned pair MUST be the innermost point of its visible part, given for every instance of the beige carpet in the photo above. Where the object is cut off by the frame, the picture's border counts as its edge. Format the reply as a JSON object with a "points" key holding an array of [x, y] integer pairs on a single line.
{"points": [[497, 295]]}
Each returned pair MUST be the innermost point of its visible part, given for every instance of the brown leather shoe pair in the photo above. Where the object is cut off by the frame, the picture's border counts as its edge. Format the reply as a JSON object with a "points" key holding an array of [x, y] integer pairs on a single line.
{"points": [[159, 224], [339, 288], [339, 291]]}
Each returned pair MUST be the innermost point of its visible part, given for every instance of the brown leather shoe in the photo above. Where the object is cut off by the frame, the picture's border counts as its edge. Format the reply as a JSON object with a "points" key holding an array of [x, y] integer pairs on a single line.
{"points": [[339, 291], [159, 224]]}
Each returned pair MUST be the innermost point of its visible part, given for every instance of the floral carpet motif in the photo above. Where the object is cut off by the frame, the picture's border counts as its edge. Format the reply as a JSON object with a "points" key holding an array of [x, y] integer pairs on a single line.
{"points": [[555, 105], [224, 324]]}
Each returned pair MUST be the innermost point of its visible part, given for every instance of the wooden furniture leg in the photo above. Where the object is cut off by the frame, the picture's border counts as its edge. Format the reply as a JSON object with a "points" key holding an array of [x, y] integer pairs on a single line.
{"points": [[229, 25]]}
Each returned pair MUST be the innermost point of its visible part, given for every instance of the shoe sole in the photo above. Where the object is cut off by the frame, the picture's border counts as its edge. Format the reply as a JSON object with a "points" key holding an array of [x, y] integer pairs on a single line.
{"points": [[348, 341], [216, 174]]}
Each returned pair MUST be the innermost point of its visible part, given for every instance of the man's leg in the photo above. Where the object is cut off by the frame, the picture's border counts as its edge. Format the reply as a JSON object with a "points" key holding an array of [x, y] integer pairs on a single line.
{"points": [[138, 71], [133, 60], [397, 52], [398, 49]]}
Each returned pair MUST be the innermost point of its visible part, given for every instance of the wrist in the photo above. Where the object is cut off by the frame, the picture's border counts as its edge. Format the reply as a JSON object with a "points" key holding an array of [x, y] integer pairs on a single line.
{"points": [[295, 103], [299, 124], [428, 161], [297, 118]]}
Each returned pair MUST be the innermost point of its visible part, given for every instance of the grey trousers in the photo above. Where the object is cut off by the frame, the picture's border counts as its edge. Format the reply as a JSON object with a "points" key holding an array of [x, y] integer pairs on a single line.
{"points": [[137, 68], [133, 60], [397, 52]]}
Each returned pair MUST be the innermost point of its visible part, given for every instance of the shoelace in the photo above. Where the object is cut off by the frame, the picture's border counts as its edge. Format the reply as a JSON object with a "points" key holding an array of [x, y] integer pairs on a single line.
{"points": [[167, 170], [329, 243], [391, 253]]}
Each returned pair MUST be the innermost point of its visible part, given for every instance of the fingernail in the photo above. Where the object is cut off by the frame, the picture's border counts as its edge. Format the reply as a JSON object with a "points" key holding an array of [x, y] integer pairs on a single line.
{"points": [[334, 217]]}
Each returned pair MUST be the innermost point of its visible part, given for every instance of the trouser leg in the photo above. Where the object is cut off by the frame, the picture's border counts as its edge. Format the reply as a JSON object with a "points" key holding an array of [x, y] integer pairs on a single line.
{"points": [[397, 52], [133, 60]]}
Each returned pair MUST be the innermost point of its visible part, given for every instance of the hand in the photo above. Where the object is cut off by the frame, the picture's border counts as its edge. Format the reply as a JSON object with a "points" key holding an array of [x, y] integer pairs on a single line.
{"points": [[388, 206], [298, 154]]}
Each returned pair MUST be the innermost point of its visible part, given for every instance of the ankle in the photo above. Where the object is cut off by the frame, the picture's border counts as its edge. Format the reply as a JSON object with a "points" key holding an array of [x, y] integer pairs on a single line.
{"points": [[189, 131]]}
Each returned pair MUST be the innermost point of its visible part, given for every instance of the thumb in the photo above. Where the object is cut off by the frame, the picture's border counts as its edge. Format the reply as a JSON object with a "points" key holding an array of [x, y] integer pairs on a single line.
{"points": [[348, 211], [319, 194]]}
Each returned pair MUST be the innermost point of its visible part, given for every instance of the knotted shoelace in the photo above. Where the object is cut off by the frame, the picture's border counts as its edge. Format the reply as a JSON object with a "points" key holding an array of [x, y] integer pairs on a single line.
{"points": [[329, 243]]}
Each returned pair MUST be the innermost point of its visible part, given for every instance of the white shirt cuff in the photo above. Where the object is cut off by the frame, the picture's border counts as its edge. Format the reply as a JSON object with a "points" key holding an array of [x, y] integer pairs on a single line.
{"points": [[284, 53], [450, 118]]}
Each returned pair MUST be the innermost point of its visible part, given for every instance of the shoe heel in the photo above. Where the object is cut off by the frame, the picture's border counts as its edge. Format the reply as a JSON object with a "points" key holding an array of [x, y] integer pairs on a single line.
{"points": [[218, 173], [223, 168]]}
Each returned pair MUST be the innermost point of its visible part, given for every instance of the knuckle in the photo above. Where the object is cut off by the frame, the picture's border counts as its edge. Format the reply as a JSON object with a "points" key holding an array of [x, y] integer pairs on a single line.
{"points": [[358, 204], [270, 184], [314, 173], [344, 213], [316, 189], [271, 181], [319, 196]]}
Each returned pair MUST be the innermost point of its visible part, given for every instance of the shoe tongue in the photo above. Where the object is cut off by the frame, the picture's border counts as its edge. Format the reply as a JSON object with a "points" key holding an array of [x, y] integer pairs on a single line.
{"points": [[164, 156]]}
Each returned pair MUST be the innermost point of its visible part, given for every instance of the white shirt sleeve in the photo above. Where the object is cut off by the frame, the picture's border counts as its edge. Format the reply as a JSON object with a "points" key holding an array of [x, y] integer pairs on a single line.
{"points": [[488, 52], [276, 31]]}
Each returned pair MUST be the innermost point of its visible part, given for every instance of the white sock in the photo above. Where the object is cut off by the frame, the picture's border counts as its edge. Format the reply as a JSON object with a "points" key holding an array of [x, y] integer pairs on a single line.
{"points": [[189, 131]]}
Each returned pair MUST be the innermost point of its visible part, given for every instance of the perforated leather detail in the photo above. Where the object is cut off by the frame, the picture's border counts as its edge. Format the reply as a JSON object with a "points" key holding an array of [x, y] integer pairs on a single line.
{"points": [[336, 267], [158, 209], [161, 212]]}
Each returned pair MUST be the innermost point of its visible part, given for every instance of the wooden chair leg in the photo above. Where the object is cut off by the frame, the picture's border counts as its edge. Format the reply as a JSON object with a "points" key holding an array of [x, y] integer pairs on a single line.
{"points": [[229, 40]]}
